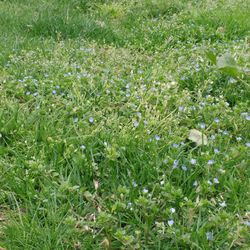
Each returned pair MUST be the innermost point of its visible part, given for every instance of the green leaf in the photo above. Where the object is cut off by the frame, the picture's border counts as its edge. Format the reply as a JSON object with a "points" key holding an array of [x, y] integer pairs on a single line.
{"points": [[211, 56]]}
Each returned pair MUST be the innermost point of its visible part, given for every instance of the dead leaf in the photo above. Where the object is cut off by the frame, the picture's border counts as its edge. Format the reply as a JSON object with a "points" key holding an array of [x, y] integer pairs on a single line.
{"points": [[197, 137], [96, 184]]}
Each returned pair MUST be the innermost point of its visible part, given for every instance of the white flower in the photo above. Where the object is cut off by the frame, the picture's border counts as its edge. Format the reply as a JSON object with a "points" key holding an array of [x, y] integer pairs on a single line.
{"points": [[172, 210], [209, 183], [216, 181], [223, 204], [134, 184]]}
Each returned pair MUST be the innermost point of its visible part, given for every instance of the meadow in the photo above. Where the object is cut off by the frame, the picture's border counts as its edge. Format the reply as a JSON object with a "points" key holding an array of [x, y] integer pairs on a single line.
{"points": [[124, 124]]}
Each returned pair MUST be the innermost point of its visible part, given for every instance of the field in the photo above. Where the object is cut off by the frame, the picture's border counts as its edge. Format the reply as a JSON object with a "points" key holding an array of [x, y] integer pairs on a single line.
{"points": [[124, 124]]}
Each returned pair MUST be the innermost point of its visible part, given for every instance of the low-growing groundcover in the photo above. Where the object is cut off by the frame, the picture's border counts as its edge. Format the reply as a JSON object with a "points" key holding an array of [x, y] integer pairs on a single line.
{"points": [[124, 124]]}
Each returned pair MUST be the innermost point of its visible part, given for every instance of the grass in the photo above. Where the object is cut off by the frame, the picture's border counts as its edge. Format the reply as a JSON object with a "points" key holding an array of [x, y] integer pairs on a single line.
{"points": [[97, 100]]}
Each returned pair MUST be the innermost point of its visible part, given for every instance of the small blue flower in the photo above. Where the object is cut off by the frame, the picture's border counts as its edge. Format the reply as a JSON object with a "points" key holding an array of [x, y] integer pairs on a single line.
{"points": [[75, 119], [184, 168], [210, 162], [248, 117], [175, 164], [209, 236], [91, 119], [82, 147], [157, 137], [216, 181], [129, 205], [193, 161], [27, 93], [145, 191], [175, 145], [136, 124], [195, 183], [57, 87], [145, 123], [216, 151], [181, 108], [217, 120], [202, 125], [238, 138], [170, 223], [212, 137], [248, 144]]}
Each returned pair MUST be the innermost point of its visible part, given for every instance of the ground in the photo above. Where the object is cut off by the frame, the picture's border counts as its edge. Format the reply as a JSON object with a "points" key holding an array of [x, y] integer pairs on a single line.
{"points": [[97, 102]]}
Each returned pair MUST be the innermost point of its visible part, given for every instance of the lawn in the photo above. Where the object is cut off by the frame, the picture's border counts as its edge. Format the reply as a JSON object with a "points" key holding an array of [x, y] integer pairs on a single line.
{"points": [[124, 124]]}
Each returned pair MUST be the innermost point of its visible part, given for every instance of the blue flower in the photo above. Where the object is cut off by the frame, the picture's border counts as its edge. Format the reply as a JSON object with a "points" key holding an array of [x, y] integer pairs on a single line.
{"points": [[175, 164], [209, 236], [202, 125], [54, 92], [170, 223], [181, 108], [217, 120], [216, 151], [157, 137], [184, 168], [193, 161], [91, 120], [136, 124], [216, 181], [210, 162]]}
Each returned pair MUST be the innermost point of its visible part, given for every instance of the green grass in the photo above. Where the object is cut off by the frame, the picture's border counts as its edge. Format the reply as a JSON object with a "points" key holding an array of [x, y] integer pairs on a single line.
{"points": [[97, 100]]}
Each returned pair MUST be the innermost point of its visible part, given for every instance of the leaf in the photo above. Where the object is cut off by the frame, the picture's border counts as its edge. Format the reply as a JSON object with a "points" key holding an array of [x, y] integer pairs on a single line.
{"points": [[197, 137], [227, 64], [211, 56], [88, 196], [96, 184]]}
